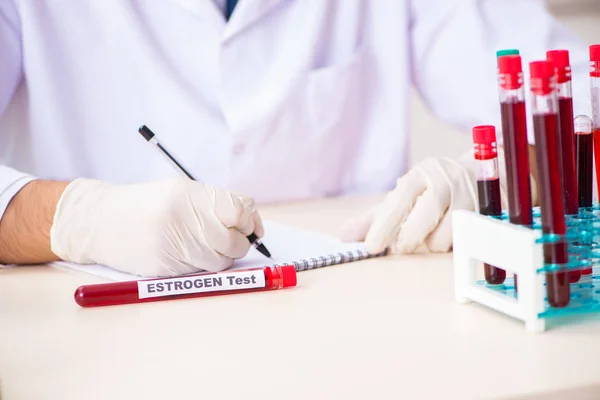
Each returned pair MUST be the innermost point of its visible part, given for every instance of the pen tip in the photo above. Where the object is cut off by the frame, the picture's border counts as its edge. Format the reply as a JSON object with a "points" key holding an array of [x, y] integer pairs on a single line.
{"points": [[266, 252]]}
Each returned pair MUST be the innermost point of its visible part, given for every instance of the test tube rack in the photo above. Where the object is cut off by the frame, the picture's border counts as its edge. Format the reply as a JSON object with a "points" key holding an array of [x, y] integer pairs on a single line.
{"points": [[479, 239]]}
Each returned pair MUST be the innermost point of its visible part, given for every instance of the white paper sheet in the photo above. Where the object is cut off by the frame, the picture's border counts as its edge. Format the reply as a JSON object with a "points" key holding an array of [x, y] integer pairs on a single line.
{"points": [[286, 244]]}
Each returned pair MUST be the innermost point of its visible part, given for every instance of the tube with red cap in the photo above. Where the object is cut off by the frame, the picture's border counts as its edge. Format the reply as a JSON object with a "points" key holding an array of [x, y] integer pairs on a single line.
{"points": [[488, 186], [544, 103], [187, 286], [514, 135], [562, 66], [595, 95], [567, 163], [585, 166]]}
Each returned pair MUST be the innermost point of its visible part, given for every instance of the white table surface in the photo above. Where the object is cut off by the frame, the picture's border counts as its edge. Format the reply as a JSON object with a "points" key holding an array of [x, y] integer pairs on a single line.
{"points": [[375, 329]]}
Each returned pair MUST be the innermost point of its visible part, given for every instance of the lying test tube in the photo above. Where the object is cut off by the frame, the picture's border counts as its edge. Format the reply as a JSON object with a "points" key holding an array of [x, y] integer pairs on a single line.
{"points": [[186, 286], [545, 124]]}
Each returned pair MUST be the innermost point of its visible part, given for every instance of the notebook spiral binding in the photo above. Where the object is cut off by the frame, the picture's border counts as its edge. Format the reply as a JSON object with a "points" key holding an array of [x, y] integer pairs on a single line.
{"points": [[333, 259]]}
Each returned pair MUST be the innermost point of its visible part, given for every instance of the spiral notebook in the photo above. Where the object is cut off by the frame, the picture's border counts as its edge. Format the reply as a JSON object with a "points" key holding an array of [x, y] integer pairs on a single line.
{"points": [[302, 248]]}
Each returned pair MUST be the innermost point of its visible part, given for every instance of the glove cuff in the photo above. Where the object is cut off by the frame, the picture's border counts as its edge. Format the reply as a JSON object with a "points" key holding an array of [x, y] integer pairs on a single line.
{"points": [[73, 224]]}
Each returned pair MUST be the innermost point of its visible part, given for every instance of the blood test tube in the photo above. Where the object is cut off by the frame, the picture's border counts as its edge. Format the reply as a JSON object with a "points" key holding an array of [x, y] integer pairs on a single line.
{"points": [[562, 66], [545, 111], [595, 95], [566, 160], [488, 186], [514, 135], [187, 286], [585, 168]]}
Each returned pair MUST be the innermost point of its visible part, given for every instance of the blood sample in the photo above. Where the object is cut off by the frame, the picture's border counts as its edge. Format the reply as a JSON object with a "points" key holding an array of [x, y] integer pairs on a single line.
{"points": [[566, 160], [545, 124], [585, 169], [595, 95], [196, 285], [562, 66], [514, 135], [488, 186]]}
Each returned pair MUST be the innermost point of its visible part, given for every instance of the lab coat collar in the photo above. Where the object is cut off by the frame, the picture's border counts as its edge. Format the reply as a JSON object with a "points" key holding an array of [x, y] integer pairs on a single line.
{"points": [[205, 9], [247, 13]]}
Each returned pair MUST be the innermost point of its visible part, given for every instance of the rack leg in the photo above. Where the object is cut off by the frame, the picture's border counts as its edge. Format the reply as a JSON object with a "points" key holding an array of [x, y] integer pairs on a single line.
{"points": [[464, 276], [536, 325]]}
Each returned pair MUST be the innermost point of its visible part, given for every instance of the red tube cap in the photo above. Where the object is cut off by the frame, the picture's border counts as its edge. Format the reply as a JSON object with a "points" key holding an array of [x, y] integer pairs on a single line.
{"points": [[541, 73], [510, 70], [510, 64], [288, 274], [595, 61], [595, 52], [484, 134], [541, 69], [560, 58], [484, 139]]}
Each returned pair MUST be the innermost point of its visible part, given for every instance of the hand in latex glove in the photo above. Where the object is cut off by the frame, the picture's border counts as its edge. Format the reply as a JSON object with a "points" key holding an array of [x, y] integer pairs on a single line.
{"points": [[417, 214], [161, 228]]}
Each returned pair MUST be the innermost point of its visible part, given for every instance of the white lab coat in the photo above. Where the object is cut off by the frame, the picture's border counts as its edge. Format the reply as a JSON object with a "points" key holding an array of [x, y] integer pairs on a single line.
{"points": [[290, 99]]}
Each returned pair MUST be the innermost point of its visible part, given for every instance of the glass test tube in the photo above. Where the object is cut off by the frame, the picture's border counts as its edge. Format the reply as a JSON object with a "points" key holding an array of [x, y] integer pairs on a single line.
{"points": [[203, 284], [585, 166], [585, 169], [545, 111], [514, 135], [488, 186], [567, 161], [560, 61], [595, 95]]}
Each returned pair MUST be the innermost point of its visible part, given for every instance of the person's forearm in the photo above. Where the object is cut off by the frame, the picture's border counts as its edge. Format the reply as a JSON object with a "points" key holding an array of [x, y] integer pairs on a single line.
{"points": [[25, 225]]}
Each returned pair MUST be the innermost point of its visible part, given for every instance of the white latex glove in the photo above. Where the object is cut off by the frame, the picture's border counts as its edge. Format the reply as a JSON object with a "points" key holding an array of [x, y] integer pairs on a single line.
{"points": [[417, 215], [161, 228]]}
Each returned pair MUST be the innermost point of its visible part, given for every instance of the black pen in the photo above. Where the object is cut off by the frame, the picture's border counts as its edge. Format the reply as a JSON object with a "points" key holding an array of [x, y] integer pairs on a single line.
{"points": [[151, 138]]}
